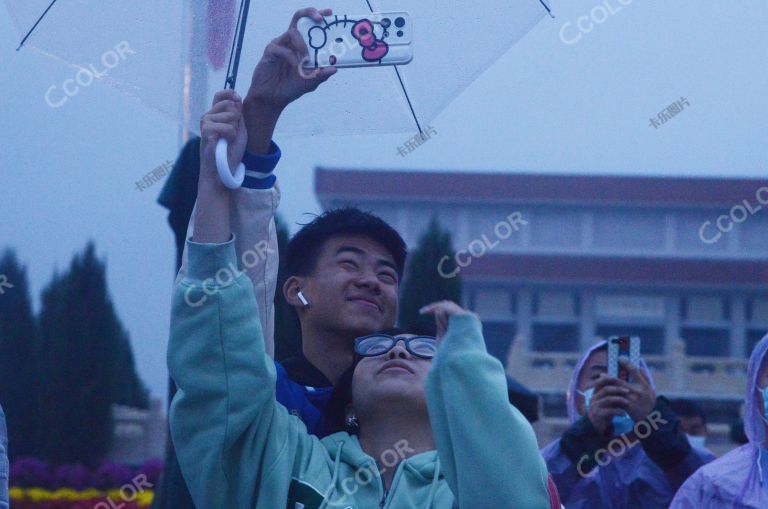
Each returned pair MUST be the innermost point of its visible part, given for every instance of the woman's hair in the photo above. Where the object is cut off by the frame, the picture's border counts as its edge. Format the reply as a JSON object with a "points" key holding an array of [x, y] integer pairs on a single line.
{"points": [[335, 415]]}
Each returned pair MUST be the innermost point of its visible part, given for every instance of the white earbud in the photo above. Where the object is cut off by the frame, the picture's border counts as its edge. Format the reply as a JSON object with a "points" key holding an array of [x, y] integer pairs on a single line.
{"points": [[304, 300]]}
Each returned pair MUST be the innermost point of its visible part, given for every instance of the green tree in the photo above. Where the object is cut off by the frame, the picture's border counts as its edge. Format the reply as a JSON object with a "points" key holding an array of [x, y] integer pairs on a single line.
{"points": [[19, 387], [86, 364], [423, 282], [287, 328]]}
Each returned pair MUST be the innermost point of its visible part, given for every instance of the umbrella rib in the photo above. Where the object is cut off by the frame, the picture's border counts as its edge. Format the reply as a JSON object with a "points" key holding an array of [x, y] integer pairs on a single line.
{"points": [[35, 25], [237, 44], [549, 11], [402, 85]]}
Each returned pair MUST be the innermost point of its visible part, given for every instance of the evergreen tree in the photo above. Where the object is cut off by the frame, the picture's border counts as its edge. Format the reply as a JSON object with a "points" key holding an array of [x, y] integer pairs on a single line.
{"points": [[86, 364], [287, 328], [423, 283], [19, 388]]}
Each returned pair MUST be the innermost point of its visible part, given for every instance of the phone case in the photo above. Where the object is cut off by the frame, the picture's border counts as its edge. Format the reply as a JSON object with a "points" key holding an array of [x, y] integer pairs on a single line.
{"points": [[384, 38], [622, 346]]}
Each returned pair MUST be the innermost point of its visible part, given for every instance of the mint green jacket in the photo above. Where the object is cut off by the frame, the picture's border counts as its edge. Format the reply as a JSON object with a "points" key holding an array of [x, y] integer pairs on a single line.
{"points": [[239, 448]]}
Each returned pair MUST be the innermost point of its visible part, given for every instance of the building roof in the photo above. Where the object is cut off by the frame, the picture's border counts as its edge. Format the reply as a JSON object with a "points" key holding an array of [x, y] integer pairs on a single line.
{"points": [[373, 185], [602, 270]]}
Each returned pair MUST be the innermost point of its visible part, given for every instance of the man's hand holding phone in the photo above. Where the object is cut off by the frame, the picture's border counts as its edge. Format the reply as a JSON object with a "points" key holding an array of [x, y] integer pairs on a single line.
{"points": [[640, 394]]}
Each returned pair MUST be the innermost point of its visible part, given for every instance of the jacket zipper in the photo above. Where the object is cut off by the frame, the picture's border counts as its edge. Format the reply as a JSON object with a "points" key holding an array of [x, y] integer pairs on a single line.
{"points": [[384, 498]]}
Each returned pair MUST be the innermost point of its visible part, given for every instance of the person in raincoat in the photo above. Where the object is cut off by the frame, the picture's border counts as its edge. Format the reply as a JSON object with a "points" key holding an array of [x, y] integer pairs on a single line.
{"points": [[4, 466], [435, 428], [738, 480], [623, 449]]}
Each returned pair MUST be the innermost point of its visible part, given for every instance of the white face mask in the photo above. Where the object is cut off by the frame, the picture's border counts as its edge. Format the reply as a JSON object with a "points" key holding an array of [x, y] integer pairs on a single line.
{"points": [[698, 442]]}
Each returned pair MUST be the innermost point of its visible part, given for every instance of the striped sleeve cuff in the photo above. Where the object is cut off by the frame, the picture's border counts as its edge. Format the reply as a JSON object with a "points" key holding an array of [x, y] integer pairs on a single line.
{"points": [[259, 168]]}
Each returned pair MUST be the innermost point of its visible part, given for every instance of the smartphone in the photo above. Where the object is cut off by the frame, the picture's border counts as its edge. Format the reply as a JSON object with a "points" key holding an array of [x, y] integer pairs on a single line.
{"points": [[622, 346], [384, 38]]}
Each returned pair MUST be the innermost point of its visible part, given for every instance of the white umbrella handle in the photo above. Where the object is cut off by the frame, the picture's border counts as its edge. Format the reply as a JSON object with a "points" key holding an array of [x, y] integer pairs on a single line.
{"points": [[222, 165]]}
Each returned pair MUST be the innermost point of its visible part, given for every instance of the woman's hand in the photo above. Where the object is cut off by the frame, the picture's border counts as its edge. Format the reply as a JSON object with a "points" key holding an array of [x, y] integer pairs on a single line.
{"points": [[225, 120], [443, 311]]}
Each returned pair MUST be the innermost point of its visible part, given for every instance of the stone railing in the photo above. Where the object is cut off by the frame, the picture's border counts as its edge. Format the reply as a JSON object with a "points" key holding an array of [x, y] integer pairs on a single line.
{"points": [[675, 374], [139, 435]]}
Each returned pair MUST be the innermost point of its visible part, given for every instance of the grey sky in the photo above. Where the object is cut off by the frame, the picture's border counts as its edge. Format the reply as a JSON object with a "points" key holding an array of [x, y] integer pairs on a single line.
{"points": [[67, 174]]}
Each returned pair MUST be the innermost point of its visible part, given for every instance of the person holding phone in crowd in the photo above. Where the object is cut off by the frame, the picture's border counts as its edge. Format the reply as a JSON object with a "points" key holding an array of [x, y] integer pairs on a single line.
{"points": [[623, 449], [739, 479], [462, 442]]}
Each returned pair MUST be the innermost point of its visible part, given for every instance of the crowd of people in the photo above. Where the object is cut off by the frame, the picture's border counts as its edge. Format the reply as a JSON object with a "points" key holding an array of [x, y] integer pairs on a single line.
{"points": [[370, 415]]}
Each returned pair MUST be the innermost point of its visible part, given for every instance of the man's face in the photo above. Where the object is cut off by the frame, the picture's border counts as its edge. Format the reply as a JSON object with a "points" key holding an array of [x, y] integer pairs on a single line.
{"points": [[353, 289], [694, 425], [596, 365]]}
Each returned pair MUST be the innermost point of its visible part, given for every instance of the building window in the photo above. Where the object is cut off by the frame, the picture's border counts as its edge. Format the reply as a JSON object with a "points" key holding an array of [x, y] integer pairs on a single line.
{"points": [[629, 314], [494, 303], [753, 338], [706, 341], [555, 338], [651, 338], [498, 338], [555, 326], [704, 309], [757, 322]]}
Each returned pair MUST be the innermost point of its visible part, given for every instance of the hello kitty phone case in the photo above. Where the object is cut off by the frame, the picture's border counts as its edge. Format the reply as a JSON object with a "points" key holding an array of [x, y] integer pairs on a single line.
{"points": [[384, 38]]}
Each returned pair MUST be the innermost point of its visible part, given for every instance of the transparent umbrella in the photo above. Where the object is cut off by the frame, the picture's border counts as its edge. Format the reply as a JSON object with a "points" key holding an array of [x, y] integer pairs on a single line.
{"points": [[172, 56]]}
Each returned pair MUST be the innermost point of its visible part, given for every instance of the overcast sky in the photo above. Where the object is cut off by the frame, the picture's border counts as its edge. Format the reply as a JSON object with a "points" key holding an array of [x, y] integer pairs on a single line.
{"points": [[67, 175]]}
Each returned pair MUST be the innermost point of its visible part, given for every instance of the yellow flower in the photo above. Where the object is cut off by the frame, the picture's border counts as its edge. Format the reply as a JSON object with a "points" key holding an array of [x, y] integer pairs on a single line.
{"points": [[39, 495], [16, 494]]}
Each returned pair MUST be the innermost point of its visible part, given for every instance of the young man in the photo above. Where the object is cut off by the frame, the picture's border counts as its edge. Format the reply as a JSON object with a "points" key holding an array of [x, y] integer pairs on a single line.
{"points": [[693, 421], [624, 449]]}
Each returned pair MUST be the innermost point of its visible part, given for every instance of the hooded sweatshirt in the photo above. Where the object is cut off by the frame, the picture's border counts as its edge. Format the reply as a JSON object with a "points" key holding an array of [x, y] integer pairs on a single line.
{"points": [[239, 448], [593, 471], [738, 480]]}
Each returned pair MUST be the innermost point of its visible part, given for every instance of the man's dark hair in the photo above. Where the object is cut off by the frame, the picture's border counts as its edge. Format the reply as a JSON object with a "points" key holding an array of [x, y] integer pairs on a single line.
{"points": [[687, 408], [304, 248]]}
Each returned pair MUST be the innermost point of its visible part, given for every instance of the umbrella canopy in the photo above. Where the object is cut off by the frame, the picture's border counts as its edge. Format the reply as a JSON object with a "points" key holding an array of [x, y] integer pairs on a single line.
{"points": [[172, 56]]}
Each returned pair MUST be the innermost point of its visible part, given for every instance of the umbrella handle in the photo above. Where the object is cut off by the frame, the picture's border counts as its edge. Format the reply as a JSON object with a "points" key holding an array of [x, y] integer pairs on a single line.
{"points": [[222, 166]]}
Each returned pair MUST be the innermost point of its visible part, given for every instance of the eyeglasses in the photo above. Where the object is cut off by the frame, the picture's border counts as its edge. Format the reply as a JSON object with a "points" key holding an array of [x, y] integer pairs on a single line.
{"points": [[373, 345]]}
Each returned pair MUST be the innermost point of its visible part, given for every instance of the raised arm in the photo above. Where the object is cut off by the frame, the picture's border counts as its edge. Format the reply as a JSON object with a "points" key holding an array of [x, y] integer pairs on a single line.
{"points": [[487, 449], [276, 82], [237, 447]]}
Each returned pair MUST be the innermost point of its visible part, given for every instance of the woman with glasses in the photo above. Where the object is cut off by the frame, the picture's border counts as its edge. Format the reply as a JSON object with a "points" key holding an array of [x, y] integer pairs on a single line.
{"points": [[432, 425]]}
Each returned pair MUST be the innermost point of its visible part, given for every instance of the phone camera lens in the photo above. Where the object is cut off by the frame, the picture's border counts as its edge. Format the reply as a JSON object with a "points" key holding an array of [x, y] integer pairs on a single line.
{"points": [[400, 22], [399, 33], [386, 22]]}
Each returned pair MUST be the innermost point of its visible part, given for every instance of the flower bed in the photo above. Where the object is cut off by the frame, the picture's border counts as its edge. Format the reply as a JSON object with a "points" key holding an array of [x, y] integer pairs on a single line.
{"points": [[37, 485]]}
